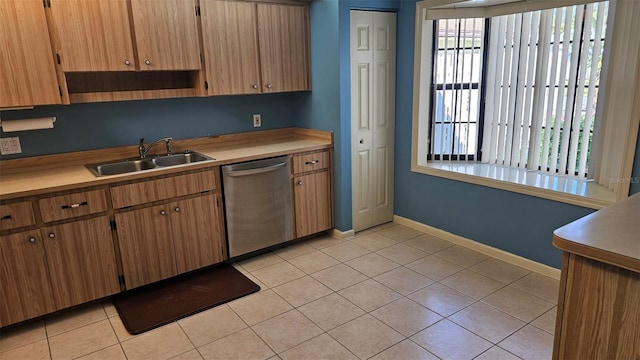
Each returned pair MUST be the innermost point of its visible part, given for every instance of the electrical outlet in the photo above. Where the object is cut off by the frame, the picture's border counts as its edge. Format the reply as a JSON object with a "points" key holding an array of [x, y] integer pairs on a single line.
{"points": [[257, 122], [10, 145]]}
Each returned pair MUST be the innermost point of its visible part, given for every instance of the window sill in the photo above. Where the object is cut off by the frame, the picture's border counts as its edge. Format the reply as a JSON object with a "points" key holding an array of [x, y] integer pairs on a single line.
{"points": [[553, 187]]}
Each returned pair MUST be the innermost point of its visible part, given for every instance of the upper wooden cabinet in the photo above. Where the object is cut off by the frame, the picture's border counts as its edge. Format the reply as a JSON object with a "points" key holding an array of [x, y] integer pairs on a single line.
{"points": [[98, 36], [27, 72], [283, 31], [230, 47], [255, 48], [166, 34]]}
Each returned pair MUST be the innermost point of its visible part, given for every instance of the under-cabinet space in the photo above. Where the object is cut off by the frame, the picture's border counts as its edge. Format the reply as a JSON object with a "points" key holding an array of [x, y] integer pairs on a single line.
{"points": [[122, 85]]}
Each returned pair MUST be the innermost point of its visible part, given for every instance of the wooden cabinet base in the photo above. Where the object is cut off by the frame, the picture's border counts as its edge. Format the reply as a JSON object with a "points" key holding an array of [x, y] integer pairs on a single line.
{"points": [[598, 312]]}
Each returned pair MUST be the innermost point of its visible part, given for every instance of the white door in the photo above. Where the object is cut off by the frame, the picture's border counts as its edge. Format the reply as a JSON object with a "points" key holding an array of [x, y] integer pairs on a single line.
{"points": [[373, 83]]}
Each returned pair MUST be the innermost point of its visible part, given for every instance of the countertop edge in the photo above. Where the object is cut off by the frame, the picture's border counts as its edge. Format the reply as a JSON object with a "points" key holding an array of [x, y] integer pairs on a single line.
{"points": [[87, 179]]}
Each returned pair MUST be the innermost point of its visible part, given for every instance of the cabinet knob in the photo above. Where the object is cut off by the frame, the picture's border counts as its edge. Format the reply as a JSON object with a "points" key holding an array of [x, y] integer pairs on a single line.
{"points": [[127, 62], [361, 141], [52, 235], [255, 86], [300, 182], [162, 212], [177, 209], [268, 85], [32, 239], [147, 61]]}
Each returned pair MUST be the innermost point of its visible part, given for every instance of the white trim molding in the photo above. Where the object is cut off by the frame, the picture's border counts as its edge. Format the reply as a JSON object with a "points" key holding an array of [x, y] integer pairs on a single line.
{"points": [[482, 248], [337, 234]]}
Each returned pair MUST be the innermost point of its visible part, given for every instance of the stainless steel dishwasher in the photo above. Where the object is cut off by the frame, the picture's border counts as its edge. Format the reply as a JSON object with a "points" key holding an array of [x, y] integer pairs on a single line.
{"points": [[258, 204]]}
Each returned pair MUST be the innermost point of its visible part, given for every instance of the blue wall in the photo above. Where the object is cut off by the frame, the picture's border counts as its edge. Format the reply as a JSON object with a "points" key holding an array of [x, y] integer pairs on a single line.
{"points": [[100, 125], [513, 222]]}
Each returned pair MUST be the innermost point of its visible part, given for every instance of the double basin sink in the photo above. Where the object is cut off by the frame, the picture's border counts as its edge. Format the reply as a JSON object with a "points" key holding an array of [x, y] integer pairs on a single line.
{"points": [[147, 163]]}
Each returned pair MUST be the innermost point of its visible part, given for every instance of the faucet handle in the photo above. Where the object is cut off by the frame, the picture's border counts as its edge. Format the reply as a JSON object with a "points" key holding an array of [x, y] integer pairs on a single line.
{"points": [[167, 143]]}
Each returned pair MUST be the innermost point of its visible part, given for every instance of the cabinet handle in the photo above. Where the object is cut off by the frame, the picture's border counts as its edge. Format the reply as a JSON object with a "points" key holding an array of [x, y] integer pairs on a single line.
{"points": [[177, 209], [6, 217], [311, 162], [76, 205], [162, 212], [268, 85], [147, 61], [361, 141], [255, 86], [300, 182], [127, 62], [52, 235], [32, 240]]}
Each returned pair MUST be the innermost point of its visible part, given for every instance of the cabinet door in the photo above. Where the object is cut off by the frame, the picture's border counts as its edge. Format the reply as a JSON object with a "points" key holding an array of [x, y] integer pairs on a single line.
{"points": [[166, 34], [146, 247], [27, 72], [24, 283], [230, 47], [93, 35], [283, 33], [81, 261], [196, 235], [312, 203]]}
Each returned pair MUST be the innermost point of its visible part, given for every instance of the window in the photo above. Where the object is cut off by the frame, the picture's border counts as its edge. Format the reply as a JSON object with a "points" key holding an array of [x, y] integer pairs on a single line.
{"points": [[520, 94], [457, 68]]}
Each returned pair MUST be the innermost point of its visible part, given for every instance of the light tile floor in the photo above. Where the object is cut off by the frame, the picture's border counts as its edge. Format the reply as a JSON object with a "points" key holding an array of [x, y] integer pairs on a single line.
{"points": [[388, 293]]}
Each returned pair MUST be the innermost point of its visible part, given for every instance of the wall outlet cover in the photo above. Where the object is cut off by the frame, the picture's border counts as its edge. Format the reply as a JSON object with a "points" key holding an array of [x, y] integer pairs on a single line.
{"points": [[257, 122], [10, 145]]}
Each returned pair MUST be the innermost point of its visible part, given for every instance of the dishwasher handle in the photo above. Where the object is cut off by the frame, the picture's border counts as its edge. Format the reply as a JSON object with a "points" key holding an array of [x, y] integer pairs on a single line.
{"points": [[259, 170]]}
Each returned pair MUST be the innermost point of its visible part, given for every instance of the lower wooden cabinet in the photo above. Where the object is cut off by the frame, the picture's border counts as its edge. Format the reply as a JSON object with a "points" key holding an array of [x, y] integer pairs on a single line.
{"points": [[81, 261], [146, 247], [55, 267], [312, 194], [25, 290], [161, 241]]}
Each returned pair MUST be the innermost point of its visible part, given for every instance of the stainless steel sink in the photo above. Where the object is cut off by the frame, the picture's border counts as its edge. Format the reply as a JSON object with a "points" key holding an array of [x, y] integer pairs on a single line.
{"points": [[179, 159], [135, 165]]}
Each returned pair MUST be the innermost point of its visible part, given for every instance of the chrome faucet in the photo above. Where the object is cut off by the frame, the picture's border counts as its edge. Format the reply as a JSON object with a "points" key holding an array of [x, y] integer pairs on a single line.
{"points": [[142, 150]]}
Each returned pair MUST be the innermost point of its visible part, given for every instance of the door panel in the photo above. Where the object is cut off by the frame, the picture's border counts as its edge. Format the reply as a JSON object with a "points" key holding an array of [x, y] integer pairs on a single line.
{"points": [[196, 236], [284, 47], [166, 34], [27, 72], [146, 246], [373, 66], [93, 35], [81, 261], [231, 47], [24, 283]]}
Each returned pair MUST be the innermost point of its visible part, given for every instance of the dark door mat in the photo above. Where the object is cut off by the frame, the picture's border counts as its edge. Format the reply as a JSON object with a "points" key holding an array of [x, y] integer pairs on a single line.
{"points": [[158, 304]]}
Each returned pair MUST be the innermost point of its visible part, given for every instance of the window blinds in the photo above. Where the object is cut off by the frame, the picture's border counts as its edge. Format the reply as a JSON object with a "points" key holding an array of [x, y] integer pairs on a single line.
{"points": [[542, 79]]}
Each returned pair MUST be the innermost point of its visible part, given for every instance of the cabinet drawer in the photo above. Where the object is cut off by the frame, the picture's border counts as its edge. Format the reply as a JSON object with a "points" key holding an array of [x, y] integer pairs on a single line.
{"points": [[160, 189], [16, 215], [310, 162], [72, 205]]}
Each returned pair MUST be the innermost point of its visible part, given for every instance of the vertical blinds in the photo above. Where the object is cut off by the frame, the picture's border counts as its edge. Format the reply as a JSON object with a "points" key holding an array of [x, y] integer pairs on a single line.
{"points": [[542, 80]]}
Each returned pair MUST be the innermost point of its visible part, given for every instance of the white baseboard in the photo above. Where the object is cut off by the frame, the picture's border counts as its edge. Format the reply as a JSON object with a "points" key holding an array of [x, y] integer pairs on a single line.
{"points": [[485, 249], [335, 233]]}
